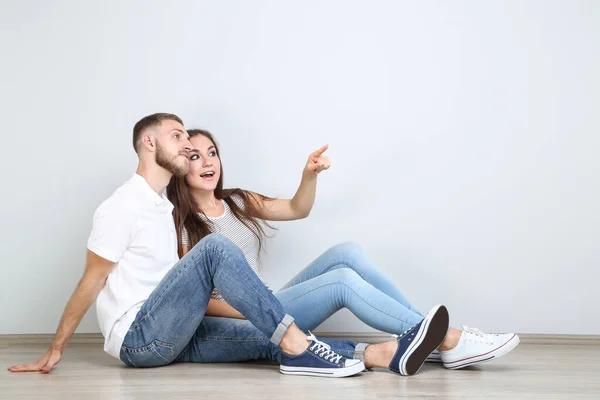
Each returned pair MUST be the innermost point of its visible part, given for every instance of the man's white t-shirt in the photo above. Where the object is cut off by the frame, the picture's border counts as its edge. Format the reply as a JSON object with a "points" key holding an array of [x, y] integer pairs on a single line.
{"points": [[135, 229]]}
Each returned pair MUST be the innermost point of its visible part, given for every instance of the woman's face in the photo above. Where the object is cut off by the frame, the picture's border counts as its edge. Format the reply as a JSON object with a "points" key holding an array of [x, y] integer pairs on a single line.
{"points": [[205, 166]]}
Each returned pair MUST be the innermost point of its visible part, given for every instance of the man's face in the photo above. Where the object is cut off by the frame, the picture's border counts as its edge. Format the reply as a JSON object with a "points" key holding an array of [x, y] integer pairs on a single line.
{"points": [[173, 147]]}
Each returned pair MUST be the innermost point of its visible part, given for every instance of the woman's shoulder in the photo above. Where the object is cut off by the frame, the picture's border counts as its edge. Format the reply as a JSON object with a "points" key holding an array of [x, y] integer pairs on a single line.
{"points": [[238, 197]]}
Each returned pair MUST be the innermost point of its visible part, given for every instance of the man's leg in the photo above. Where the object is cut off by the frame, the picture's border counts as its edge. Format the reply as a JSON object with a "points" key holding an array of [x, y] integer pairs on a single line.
{"points": [[169, 318], [222, 340], [227, 340]]}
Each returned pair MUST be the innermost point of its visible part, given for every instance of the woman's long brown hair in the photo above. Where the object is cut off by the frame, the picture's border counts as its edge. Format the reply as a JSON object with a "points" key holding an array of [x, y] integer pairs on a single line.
{"points": [[186, 209]]}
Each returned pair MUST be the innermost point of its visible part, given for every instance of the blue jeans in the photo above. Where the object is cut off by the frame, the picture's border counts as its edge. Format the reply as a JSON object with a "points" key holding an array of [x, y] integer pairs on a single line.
{"points": [[169, 319], [341, 277], [344, 277]]}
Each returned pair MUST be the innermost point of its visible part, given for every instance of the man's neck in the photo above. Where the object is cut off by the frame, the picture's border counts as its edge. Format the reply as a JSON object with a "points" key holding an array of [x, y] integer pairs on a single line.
{"points": [[157, 177]]}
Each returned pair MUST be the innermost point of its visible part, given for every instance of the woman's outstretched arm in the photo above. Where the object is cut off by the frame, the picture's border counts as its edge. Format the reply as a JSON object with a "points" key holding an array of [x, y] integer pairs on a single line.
{"points": [[301, 204]]}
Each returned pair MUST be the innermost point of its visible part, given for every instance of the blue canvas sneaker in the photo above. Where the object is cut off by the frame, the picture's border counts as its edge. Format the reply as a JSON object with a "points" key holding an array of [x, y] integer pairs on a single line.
{"points": [[319, 360], [417, 343]]}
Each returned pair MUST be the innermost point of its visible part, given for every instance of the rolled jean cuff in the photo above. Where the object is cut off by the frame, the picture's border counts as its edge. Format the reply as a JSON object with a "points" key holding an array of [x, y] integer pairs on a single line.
{"points": [[282, 329], [359, 351]]}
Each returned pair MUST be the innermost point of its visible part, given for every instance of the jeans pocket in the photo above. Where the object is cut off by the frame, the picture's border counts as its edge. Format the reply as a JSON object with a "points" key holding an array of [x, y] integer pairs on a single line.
{"points": [[156, 354]]}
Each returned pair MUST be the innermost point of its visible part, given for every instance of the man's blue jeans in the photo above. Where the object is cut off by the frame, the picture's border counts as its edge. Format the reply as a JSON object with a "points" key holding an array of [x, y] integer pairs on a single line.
{"points": [[170, 321]]}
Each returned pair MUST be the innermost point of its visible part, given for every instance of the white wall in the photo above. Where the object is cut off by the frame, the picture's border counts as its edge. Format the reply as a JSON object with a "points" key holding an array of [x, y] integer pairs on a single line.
{"points": [[463, 137]]}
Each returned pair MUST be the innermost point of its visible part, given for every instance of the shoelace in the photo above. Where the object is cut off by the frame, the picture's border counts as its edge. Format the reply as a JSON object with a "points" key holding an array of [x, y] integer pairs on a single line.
{"points": [[479, 335], [323, 349], [403, 333]]}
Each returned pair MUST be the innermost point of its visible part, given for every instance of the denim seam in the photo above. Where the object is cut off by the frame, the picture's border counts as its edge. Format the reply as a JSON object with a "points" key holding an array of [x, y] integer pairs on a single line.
{"points": [[152, 345], [257, 294], [348, 265], [226, 257], [231, 339], [361, 297], [183, 269], [351, 266], [126, 352]]}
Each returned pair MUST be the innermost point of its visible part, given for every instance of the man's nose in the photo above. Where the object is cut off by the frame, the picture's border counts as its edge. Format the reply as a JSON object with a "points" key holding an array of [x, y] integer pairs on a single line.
{"points": [[187, 145]]}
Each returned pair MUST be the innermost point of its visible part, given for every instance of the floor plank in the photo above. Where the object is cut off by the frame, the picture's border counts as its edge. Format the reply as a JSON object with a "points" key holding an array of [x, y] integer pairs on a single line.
{"points": [[86, 372]]}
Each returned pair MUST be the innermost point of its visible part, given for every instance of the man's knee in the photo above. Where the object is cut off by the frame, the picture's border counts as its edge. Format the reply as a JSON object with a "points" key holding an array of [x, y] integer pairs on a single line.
{"points": [[216, 241]]}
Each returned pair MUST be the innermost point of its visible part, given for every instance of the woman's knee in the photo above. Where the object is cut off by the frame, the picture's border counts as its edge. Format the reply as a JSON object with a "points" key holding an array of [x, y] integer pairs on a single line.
{"points": [[347, 248], [351, 255], [345, 276]]}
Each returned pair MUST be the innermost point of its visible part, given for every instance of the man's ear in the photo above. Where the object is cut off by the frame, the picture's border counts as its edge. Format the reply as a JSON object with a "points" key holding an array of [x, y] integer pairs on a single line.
{"points": [[149, 141]]}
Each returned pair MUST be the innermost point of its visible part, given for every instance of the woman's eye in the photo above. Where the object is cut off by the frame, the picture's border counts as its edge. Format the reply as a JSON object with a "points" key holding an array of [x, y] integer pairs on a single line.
{"points": [[212, 154], [194, 157]]}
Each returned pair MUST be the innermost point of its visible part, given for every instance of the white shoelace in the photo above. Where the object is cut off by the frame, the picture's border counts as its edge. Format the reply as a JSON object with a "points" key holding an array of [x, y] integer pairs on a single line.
{"points": [[323, 349], [403, 333], [478, 335]]}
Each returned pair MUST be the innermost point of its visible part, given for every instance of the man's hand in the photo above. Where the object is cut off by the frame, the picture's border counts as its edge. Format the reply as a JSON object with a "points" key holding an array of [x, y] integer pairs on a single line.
{"points": [[44, 364], [97, 270]]}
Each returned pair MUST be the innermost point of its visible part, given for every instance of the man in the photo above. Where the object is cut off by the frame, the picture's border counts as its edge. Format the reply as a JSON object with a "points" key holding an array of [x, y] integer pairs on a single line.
{"points": [[150, 304]]}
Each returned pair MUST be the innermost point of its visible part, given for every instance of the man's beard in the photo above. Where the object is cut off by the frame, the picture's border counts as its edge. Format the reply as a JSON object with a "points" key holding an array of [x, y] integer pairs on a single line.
{"points": [[170, 162]]}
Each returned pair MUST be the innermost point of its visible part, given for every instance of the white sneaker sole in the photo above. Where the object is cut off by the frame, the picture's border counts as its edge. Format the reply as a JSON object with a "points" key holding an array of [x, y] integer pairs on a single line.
{"points": [[434, 359], [431, 333], [489, 356], [324, 372]]}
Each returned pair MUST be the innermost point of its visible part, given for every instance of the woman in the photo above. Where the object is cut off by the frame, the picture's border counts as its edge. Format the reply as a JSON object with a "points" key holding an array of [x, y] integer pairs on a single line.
{"points": [[343, 277]]}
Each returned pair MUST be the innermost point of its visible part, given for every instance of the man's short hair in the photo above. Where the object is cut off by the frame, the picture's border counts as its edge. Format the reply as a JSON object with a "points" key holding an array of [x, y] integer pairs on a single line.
{"points": [[150, 121]]}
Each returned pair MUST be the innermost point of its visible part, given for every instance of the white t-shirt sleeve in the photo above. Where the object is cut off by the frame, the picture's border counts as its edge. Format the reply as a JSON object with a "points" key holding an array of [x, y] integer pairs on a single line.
{"points": [[113, 229]]}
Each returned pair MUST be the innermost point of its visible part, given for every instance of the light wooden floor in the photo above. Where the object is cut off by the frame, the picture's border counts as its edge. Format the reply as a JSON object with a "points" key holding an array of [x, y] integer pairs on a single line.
{"points": [[85, 372]]}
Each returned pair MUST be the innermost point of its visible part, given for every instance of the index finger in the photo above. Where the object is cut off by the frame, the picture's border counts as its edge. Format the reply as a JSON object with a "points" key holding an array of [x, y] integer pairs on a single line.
{"points": [[320, 151]]}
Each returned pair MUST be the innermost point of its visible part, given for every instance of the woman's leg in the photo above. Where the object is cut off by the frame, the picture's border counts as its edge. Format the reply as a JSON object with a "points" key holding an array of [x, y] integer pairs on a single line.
{"points": [[476, 347], [313, 301], [350, 255]]}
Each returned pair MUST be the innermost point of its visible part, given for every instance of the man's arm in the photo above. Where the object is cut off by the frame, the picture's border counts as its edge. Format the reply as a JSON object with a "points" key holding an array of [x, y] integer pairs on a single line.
{"points": [[97, 270]]}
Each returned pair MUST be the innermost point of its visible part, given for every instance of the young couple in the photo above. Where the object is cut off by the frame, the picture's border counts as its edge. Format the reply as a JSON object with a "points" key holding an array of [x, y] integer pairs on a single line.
{"points": [[173, 261]]}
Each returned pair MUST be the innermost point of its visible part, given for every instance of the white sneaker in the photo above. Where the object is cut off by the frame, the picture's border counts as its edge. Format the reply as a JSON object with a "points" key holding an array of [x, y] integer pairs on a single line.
{"points": [[475, 346], [434, 357]]}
